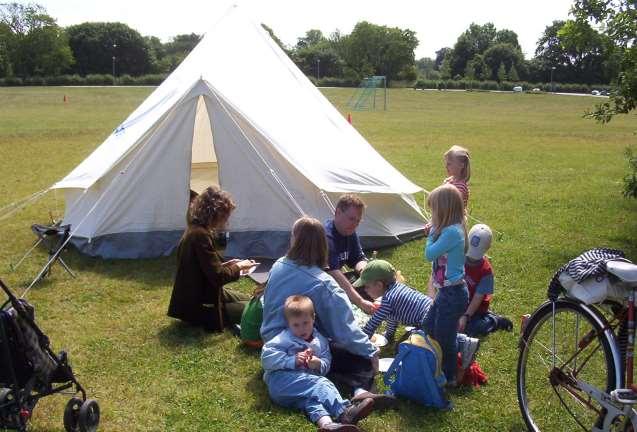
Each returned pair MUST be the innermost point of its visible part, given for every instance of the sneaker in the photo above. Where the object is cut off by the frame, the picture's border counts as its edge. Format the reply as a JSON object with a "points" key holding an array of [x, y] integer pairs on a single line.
{"points": [[381, 401], [451, 384], [357, 411], [503, 323], [339, 427], [469, 350]]}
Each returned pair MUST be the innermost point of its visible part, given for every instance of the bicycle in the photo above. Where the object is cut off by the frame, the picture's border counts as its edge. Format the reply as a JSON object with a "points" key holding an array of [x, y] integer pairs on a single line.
{"points": [[575, 367]]}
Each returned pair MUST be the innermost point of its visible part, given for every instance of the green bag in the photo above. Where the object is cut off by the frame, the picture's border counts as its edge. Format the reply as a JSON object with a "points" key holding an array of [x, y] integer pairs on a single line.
{"points": [[251, 320]]}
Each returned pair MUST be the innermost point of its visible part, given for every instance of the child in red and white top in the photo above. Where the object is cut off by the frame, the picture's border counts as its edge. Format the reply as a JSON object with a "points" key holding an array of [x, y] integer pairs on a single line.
{"points": [[478, 320]]}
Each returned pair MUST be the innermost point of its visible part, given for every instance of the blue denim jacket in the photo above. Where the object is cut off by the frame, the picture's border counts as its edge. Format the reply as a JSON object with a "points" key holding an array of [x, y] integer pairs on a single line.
{"points": [[334, 317], [280, 352]]}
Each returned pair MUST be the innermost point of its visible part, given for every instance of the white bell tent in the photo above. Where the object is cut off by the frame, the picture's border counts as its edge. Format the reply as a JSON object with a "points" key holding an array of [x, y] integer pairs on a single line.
{"points": [[237, 113]]}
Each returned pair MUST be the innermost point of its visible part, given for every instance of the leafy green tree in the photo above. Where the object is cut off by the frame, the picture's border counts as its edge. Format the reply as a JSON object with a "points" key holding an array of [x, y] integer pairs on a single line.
{"points": [[587, 49], [480, 40], [507, 36], [470, 71], [513, 74], [577, 52], [312, 38], [94, 44], [475, 40], [550, 53], [617, 21], [317, 56], [503, 54], [502, 73], [380, 50], [482, 70], [174, 52], [630, 180], [182, 44], [31, 42], [5, 45], [445, 67], [157, 54], [440, 56], [426, 67]]}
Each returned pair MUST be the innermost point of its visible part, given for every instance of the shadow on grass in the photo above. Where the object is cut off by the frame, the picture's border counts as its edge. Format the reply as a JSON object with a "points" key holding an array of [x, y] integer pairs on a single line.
{"points": [[260, 397], [411, 416], [248, 351], [152, 273], [518, 427], [180, 334]]}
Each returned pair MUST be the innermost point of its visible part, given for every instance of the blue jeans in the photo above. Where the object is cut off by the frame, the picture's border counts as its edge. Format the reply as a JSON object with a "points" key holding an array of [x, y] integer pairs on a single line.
{"points": [[314, 394], [441, 322], [481, 324]]}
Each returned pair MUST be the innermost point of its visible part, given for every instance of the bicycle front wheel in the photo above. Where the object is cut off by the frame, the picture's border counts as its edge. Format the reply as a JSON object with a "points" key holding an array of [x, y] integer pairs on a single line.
{"points": [[556, 352]]}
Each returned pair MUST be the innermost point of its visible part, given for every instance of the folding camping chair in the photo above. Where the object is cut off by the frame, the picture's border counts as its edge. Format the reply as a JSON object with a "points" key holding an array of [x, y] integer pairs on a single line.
{"points": [[54, 238]]}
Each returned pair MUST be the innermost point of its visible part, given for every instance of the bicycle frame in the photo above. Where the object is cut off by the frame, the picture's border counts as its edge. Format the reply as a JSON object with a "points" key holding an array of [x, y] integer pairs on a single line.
{"points": [[615, 410], [630, 348]]}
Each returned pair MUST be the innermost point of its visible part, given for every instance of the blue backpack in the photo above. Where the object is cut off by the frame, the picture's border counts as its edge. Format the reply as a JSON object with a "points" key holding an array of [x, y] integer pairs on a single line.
{"points": [[416, 372]]}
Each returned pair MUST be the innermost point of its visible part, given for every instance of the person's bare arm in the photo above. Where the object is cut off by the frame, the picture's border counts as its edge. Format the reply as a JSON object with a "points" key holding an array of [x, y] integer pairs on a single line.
{"points": [[360, 266], [353, 296], [471, 309], [431, 290]]}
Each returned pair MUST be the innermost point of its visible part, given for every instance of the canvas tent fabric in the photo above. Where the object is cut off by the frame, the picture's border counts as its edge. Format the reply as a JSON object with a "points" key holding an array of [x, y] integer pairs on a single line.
{"points": [[238, 113]]}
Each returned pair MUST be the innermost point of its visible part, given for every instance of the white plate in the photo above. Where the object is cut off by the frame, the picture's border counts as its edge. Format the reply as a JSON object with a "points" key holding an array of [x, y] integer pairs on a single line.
{"points": [[380, 340], [248, 271], [384, 363]]}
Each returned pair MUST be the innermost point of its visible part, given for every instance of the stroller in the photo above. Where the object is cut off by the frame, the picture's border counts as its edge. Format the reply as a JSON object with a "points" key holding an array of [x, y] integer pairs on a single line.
{"points": [[29, 370]]}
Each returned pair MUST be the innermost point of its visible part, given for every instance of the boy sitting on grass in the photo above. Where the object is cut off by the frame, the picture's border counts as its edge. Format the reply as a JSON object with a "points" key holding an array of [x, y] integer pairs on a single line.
{"points": [[296, 362], [478, 320]]}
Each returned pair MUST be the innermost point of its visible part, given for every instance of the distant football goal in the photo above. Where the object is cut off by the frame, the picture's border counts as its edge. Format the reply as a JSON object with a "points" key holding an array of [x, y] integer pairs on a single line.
{"points": [[370, 95]]}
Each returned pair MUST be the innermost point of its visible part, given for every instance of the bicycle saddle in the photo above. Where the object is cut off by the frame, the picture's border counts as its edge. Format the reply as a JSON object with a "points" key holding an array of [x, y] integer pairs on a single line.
{"points": [[625, 271]]}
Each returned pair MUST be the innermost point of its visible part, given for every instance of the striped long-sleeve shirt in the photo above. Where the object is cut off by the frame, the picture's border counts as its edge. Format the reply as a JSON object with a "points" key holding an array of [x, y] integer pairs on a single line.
{"points": [[400, 305], [462, 187]]}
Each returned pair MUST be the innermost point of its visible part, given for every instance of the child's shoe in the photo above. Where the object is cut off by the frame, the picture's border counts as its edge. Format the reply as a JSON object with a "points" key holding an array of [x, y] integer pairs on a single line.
{"points": [[357, 411], [469, 350], [503, 323], [381, 401], [338, 427]]}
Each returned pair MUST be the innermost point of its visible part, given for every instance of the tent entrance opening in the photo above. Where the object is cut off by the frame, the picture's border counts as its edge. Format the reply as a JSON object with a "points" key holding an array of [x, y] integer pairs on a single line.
{"points": [[204, 169]]}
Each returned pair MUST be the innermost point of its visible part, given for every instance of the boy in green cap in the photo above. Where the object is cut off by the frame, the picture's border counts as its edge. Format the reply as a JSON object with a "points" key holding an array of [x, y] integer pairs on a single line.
{"points": [[402, 304]]}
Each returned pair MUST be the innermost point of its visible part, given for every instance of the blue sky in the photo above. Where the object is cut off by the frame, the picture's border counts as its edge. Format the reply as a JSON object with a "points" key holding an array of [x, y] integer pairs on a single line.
{"points": [[437, 24]]}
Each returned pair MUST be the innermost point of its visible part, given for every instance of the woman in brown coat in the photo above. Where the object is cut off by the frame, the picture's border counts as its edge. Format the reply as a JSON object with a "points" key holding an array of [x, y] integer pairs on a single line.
{"points": [[198, 295]]}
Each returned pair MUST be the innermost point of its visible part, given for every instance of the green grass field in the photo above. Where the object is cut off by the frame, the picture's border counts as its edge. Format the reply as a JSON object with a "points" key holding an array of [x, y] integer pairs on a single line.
{"points": [[547, 179]]}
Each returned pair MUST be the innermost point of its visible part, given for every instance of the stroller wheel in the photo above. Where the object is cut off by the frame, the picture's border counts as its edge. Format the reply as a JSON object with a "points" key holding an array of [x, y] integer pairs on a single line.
{"points": [[89, 416], [72, 415]]}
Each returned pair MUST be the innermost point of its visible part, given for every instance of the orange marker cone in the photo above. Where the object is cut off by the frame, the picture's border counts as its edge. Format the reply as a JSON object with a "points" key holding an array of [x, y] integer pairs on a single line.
{"points": [[65, 99], [349, 118]]}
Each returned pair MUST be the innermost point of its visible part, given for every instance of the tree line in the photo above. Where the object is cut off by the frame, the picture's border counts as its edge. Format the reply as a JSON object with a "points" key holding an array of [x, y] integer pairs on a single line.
{"points": [[32, 44]]}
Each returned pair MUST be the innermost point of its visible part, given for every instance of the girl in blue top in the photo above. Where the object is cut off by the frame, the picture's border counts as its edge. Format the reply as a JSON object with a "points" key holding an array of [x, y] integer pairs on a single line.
{"points": [[445, 248]]}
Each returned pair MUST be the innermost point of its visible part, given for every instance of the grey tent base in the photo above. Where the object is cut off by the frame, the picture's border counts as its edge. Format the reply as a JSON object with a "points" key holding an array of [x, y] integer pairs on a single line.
{"points": [[251, 244], [135, 245], [129, 245], [274, 244]]}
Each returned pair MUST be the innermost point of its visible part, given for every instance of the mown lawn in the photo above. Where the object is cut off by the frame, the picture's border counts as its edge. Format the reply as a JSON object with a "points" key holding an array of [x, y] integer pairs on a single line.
{"points": [[543, 176]]}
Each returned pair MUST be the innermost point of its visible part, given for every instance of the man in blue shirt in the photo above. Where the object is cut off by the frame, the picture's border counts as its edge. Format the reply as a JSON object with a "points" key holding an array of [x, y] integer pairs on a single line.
{"points": [[344, 247]]}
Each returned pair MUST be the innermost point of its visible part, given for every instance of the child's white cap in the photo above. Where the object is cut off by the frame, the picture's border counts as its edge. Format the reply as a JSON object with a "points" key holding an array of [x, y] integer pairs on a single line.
{"points": [[480, 237]]}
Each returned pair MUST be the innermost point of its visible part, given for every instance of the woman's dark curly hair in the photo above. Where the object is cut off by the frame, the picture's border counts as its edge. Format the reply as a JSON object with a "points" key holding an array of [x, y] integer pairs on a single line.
{"points": [[210, 207]]}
